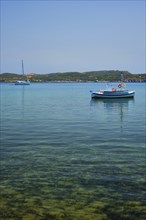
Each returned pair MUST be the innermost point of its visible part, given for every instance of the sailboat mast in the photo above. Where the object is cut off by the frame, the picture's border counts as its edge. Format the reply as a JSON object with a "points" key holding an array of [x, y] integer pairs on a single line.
{"points": [[22, 68]]}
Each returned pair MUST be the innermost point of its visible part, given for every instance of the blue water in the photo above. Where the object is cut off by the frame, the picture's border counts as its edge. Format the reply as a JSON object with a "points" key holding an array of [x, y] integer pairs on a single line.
{"points": [[65, 156]]}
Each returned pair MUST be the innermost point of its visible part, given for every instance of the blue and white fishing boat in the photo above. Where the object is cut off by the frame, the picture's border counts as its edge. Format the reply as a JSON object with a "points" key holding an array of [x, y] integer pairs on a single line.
{"points": [[24, 82], [112, 93]]}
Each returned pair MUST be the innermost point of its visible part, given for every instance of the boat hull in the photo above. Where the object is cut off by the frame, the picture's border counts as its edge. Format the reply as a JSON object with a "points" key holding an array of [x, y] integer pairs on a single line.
{"points": [[22, 83], [112, 95]]}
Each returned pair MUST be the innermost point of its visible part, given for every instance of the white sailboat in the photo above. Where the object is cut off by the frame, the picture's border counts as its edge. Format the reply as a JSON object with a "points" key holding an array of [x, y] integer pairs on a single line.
{"points": [[24, 82]]}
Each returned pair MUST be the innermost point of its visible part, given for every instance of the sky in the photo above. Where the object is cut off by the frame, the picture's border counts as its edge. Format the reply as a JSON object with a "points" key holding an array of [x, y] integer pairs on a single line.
{"points": [[66, 36]]}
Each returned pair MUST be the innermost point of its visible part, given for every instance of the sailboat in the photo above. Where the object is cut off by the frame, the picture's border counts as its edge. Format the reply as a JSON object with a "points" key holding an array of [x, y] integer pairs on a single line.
{"points": [[24, 82]]}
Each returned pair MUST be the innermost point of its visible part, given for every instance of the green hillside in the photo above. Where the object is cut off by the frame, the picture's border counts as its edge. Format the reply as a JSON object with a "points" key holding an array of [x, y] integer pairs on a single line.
{"points": [[91, 76]]}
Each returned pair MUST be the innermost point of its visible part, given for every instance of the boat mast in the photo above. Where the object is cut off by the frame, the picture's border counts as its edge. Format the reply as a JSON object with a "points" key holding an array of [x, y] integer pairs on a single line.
{"points": [[122, 77], [22, 68], [23, 71], [122, 86]]}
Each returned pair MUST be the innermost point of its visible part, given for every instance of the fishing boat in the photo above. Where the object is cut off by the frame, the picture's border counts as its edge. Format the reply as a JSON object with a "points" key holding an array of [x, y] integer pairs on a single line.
{"points": [[24, 82], [113, 93]]}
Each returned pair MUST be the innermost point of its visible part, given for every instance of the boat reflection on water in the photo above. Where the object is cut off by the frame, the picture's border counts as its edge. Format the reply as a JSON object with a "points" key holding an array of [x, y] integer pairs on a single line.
{"points": [[112, 103], [22, 100], [113, 106]]}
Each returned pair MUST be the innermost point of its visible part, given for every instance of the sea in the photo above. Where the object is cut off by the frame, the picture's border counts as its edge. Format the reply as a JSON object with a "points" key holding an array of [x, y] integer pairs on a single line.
{"points": [[64, 156]]}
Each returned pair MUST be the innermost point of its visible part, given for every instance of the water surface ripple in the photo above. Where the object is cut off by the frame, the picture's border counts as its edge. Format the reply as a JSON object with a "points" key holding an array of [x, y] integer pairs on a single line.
{"points": [[65, 156]]}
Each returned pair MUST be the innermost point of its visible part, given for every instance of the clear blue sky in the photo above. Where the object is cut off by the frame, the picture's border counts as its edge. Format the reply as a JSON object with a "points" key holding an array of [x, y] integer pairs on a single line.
{"points": [[60, 36]]}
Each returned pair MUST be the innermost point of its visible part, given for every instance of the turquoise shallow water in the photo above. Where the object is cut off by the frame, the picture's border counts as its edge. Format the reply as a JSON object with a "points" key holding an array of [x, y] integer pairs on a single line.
{"points": [[65, 156]]}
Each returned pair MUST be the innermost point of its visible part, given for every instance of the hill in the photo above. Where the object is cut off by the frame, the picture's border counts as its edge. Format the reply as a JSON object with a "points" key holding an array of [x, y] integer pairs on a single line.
{"points": [[90, 76]]}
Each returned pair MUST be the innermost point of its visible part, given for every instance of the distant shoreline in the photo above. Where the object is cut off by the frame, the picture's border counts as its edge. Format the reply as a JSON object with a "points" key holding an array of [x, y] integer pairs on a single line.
{"points": [[12, 82], [92, 76]]}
